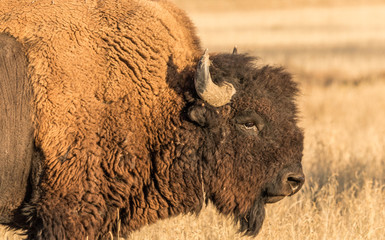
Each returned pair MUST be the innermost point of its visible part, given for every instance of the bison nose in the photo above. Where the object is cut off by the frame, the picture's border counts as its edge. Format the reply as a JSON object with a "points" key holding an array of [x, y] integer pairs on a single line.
{"points": [[288, 182], [294, 181]]}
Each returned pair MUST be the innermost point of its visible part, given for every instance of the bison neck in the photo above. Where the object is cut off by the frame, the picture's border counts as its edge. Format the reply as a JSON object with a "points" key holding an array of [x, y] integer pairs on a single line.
{"points": [[159, 176]]}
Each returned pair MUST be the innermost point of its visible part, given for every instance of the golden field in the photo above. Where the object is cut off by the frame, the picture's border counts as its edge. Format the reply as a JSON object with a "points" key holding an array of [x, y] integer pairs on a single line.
{"points": [[336, 51]]}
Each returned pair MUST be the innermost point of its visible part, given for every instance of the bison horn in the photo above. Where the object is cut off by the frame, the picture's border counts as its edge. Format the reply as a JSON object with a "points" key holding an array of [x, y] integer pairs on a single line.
{"points": [[213, 94]]}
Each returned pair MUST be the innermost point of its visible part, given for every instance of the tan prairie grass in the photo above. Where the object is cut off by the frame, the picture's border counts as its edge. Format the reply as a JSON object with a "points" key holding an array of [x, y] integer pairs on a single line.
{"points": [[337, 54]]}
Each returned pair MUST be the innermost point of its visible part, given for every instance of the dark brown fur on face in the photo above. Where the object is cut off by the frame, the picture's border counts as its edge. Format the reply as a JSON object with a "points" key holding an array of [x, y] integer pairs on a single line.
{"points": [[239, 165], [120, 130]]}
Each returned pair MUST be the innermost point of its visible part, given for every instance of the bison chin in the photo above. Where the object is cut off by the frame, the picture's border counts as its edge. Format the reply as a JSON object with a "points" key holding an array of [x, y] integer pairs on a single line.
{"points": [[251, 222]]}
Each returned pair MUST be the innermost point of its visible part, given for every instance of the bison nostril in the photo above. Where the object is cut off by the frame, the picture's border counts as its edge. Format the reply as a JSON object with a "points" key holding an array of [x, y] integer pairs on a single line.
{"points": [[295, 182]]}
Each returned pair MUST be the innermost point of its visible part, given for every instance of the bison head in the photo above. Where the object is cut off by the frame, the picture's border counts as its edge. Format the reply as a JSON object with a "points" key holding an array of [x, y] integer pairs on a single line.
{"points": [[253, 147]]}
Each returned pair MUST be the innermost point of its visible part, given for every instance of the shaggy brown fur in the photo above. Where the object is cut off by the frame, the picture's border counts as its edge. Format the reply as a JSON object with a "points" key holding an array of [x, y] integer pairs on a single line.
{"points": [[254, 160], [110, 117]]}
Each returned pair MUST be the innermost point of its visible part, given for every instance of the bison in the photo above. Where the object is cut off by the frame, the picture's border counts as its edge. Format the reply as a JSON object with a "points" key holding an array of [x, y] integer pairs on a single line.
{"points": [[111, 108]]}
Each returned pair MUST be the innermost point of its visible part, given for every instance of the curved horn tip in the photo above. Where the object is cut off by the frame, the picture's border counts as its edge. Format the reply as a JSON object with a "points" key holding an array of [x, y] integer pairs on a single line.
{"points": [[205, 54], [215, 95], [204, 62]]}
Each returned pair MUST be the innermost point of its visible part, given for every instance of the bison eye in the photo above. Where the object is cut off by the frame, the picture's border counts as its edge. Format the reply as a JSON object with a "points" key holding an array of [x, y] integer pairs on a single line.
{"points": [[249, 125], [250, 122]]}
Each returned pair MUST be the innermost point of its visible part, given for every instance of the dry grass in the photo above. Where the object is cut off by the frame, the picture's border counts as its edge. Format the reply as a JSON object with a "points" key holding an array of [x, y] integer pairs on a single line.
{"points": [[337, 54]]}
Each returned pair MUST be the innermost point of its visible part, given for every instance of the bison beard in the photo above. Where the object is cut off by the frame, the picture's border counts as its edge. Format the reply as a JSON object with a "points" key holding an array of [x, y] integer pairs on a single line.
{"points": [[251, 222]]}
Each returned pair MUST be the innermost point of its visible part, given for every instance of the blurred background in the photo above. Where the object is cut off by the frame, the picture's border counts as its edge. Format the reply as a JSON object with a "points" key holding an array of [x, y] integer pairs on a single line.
{"points": [[325, 39], [335, 50]]}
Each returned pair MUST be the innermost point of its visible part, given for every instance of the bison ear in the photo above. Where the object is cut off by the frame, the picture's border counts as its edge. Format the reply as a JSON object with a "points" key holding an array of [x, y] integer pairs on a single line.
{"points": [[235, 50], [197, 114]]}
